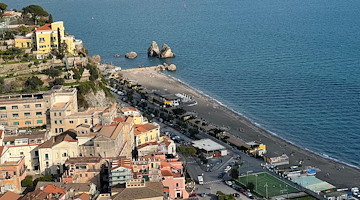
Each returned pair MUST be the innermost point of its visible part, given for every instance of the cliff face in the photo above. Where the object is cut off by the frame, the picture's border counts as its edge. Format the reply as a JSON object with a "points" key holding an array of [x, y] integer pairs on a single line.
{"points": [[98, 99]]}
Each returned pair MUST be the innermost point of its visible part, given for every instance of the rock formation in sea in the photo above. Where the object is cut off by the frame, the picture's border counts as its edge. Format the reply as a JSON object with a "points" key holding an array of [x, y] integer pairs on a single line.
{"points": [[171, 67], [131, 55], [153, 50], [165, 66], [166, 52]]}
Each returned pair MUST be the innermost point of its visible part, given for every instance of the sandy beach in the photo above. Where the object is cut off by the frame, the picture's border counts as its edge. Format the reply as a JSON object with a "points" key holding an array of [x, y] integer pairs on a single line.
{"points": [[336, 173]]}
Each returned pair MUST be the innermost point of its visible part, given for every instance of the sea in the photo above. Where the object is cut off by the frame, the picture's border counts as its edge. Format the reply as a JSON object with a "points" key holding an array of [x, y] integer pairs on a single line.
{"points": [[290, 66]]}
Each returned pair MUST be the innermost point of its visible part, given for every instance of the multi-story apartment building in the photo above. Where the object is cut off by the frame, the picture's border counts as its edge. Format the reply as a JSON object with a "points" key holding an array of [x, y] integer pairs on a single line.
{"points": [[83, 170], [149, 132], [12, 171], [32, 110], [121, 171], [25, 144], [46, 38], [54, 152]]}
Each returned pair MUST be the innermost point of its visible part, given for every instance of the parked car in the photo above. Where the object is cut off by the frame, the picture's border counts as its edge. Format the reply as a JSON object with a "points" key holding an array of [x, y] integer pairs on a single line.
{"points": [[227, 169], [236, 195], [193, 195], [203, 194], [229, 183]]}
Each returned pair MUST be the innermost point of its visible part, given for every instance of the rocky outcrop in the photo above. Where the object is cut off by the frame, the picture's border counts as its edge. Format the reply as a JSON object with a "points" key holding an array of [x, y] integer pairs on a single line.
{"points": [[98, 99], [131, 55], [166, 52], [153, 50], [171, 67], [165, 66], [95, 59]]}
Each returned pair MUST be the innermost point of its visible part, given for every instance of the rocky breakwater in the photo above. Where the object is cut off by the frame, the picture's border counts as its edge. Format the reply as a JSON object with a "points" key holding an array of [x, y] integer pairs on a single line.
{"points": [[131, 55], [165, 52]]}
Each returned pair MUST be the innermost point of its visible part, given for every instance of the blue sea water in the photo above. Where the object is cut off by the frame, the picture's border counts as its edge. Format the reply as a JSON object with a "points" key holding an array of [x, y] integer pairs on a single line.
{"points": [[291, 66]]}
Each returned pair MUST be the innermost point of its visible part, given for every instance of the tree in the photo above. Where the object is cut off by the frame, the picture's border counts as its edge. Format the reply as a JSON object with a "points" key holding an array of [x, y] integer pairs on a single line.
{"points": [[3, 7], [186, 151], [45, 178], [234, 173], [36, 10], [2, 82], [250, 186], [52, 72], [57, 81], [33, 83], [27, 182], [51, 20]]}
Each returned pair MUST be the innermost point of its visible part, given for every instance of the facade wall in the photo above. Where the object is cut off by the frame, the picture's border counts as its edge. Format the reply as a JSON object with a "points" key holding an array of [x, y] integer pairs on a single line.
{"points": [[51, 160], [120, 175], [150, 136], [176, 187]]}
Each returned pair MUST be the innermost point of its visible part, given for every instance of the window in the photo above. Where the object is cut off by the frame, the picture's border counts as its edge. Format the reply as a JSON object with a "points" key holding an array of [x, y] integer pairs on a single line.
{"points": [[46, 156], [64, 154], [3, 116], [14, 107], [36, 153], [27, 114], [54, 114], [53, 39], [27, 122], [39, 121], [37, 105], [59, 113], [86, 121], [15, 123], [177, 184], [56, 130], [55, 121], [21, 153], [80, 175], [86, 175], [15, 115], [61, 130], [3, 108], [60, 121], [71, 122], [47, 164], [38, 113], [54, 45], [41, 40], [26, 106]]}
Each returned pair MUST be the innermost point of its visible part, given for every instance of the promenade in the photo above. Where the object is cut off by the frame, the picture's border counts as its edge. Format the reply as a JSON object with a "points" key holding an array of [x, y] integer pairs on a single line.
{"points": [[333, 172]]}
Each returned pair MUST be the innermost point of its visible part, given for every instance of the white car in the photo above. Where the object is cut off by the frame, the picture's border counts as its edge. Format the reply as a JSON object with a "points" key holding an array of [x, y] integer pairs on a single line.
{"points": [[229, 183], [227, 169]]}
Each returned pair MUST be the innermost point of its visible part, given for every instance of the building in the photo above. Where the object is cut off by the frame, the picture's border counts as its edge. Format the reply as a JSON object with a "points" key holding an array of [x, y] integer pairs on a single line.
{"points": [[166, 146], [210, 148], [149, 132], [121, 171], [32, 109], [25, 143], [12, 171], [9, 196], [166, 99], [82, 170], [52, 36], [112, 140], [24, 42], [130, 111], [47, 192], [54, 152], [138, 189], [275, 159], [255, 148], [72, 189]]}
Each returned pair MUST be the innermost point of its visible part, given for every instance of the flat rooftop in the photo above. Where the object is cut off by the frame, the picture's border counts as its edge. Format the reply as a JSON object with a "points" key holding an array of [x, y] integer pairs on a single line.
{"points": [[207, 145]]}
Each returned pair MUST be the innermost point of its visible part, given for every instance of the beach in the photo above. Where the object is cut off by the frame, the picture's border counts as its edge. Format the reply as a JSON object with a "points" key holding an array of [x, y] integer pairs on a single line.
{"points": [[334, 172]]}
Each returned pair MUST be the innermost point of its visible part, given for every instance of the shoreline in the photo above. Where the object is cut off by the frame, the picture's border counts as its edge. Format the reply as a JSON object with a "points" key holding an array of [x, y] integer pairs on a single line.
{"points": [[333, 171]]}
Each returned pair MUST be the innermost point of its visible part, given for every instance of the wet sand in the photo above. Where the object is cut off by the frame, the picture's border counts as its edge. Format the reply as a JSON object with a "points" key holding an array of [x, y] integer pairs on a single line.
{"points": [[336, 173]]}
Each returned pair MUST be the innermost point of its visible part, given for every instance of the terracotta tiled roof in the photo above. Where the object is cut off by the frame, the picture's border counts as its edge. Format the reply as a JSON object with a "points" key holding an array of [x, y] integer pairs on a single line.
{"points": [[75, 160], [82, 196], [146, 144], [119, 119], [111, 131], [151, 190], [46, 27], [143, 128], [122, 162], [9, 196], [69, 136], [126, 109], [166, 173], [53, 189]]}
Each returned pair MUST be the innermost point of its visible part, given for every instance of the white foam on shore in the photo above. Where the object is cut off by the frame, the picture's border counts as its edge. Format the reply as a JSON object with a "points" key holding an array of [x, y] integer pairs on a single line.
{"points": [[323, 155]]}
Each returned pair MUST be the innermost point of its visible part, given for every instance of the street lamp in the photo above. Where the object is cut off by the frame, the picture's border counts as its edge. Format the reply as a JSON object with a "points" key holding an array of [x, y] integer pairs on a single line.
{"points": [[247, 176]]}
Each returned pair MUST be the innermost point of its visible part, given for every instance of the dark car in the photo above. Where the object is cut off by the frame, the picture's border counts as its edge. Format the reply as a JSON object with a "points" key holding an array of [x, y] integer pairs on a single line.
{"points": [[236, 194]]}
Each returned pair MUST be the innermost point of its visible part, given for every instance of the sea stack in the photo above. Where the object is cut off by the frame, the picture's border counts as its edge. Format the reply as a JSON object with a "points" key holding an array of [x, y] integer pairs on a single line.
{"points": [[153, 50], [131, 55], [166, 52]]}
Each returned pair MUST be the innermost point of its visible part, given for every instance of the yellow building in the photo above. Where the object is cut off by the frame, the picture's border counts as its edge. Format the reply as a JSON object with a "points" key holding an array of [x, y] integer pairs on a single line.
{"points": [[24, 41], [144, 133], [255, 148], [52, 36]]}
